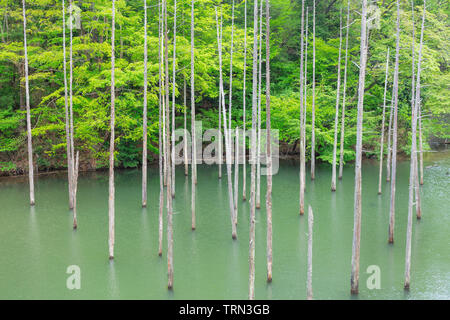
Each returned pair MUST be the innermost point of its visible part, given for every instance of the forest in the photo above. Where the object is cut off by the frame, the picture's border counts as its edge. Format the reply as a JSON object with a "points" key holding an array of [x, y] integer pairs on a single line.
{"points": [[92, 77]]}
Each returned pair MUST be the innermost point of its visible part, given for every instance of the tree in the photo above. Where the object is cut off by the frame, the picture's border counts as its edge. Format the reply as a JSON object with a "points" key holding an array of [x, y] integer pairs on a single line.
{"points": [[302, 154], [313, 111], [336, 117], [193, 133], [144, 116], [394, 131], [161, 135], [244, 139], [382, 123], [111, 205], [413, 165], [268, 149], [174, 63], [354, 280], [258, 143]]}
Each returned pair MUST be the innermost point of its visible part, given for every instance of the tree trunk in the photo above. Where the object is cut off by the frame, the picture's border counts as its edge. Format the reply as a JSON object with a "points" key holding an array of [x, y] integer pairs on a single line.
{"points": [[420, 142], [305, 77], [173, 92], [336, 118], [111, 143], [302, 186], [194, 149], [227, 136], [185, 153], [27, 91], [357, 204], [144, 117], [309, 291], [258, 142], [236, 175], [66, 109], [313, 111], [160, 137], [236, 154], [341, 148], [394, 136], [253, 156], [268, 149], [380, 174], [413, 166], [244, 137], [72, 145]]}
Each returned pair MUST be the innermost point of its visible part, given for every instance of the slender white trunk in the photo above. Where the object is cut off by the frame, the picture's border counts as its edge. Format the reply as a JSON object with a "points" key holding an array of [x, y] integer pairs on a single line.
{"points": [[413, 167], [305, 77], [173, 92], [380, 174], [354, 280], [341, 148], [236, 175], [144, 116], [336, 117], [244, 139], [309, 290], [72, 145], [236, 154], [313, 111], [111, 205], [258, 142], [185, 152], [420, 142], [161, 136], [394, 132], [75, 189], [302, 186], [193, 129]]}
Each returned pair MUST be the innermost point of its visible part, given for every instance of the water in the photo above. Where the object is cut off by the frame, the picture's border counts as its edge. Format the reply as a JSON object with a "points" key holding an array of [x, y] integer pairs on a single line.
{"points": [[38, 244]]}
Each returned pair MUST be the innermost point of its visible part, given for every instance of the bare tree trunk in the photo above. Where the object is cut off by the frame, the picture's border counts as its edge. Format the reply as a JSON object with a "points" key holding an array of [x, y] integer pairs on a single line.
{"points": [[336, 118], [220, 158], [313, 111], [227, 136], [305, 106], [186, 165], [309, 290], [75, 189], [357, 204], [268, 149], [394, 137], [420, 142], [382, 123], [111, 205], [302, 186], [413, 167], [236, 155], [258, 146], [173, 92], [27, 90], [72, 145], [341, 148], [160, 137], [244, 137], [236, 176], [253, 156], [193, 129], [144, 117], [66, 108]]}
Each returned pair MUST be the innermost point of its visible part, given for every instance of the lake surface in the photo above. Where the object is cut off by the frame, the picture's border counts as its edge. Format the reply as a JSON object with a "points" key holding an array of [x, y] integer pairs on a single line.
{"points": [[38, 244]]}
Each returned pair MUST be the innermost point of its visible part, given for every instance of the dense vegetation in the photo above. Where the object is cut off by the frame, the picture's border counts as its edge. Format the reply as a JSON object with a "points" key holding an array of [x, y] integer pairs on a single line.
{"points": [[91, 45]]}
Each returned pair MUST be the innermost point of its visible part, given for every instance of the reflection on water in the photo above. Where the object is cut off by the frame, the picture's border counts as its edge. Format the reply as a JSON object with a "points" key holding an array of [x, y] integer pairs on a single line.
{"points": [[38, 243]]}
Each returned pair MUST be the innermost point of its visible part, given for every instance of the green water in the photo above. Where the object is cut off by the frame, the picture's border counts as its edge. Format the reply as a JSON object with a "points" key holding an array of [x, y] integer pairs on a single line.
{"points": [[38, 244]]}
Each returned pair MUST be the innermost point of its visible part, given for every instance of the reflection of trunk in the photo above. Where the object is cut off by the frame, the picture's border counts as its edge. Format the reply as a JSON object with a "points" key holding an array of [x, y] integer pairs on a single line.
{"points": [[413, 182], [75, 188], [336, 118], [258, 143], [313, 111], [302, 186], [268, 150], [244, 139], [341, 148], [354, 281], [160, 138], [111, 143], [27, 95], [394, 132], [309, 291], [173, 93], [382, 123], [227, 135], [194, 142], [144, 117]]}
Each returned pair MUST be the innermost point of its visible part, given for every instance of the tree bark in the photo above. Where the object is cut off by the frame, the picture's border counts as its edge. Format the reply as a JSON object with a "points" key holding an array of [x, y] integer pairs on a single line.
{"points": [[413, 166], [111, 205], [236, 175], [380, 174], [309, 290], [336, 118], [244, 137], [27, 93], [354, 280], [194, 149], [161, 136], [302, 186], [313, 111], [173, 92], [144, 116], [394, 136], [236, 154], [258, 146]]}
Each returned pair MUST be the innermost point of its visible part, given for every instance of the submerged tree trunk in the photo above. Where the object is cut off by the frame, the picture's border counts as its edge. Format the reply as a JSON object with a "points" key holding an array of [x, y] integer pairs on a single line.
{"points": [[354, 280], [336, 117], [66, 109], [302, 186], [258, 146], [173, 93], [309, 290], [380, 174], [268, 149], [226, 134], [160, 137], [394, 132], [313, 111], [413, 166], [341, 147], [27, 91], [244, 137], [111, 205], [193, 133], [144, 116], [253, 156]]}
